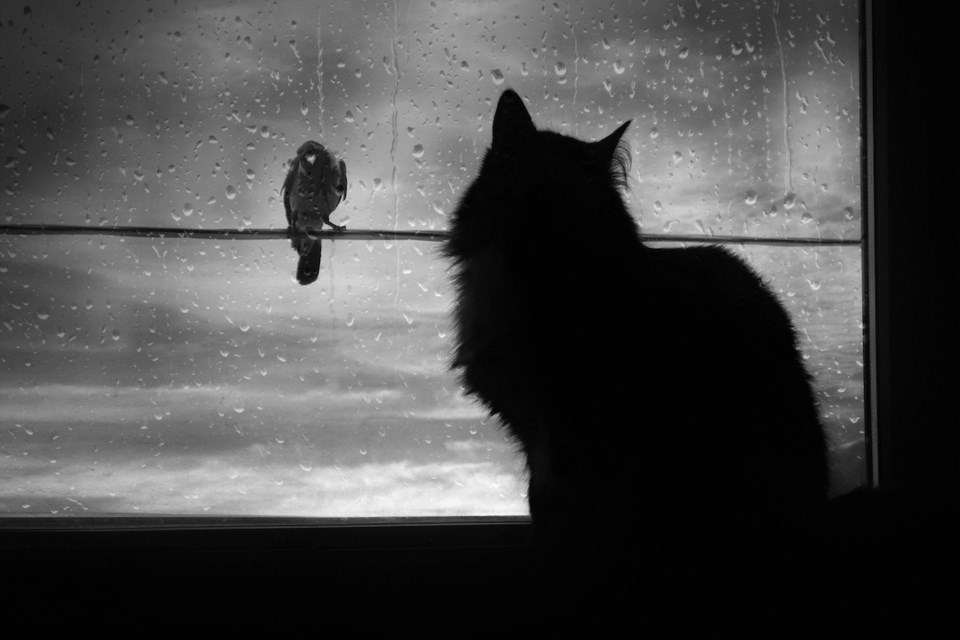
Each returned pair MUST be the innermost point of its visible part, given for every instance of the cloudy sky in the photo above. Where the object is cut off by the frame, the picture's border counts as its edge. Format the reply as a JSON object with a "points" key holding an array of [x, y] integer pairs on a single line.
{"points": [[196, 376]]}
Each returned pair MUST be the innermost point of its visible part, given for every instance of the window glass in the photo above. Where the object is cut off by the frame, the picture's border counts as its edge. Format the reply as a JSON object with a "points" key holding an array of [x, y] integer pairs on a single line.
{"points": [[195, 376]]}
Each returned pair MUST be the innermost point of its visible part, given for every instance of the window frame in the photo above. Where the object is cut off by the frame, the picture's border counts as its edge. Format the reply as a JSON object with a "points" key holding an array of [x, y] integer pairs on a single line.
{"points": [[911, 343], [902, 338]]}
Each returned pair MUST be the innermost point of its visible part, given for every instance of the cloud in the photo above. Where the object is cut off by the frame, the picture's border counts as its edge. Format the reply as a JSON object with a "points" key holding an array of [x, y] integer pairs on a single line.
{"points": [[471, 447], [231, 485]]}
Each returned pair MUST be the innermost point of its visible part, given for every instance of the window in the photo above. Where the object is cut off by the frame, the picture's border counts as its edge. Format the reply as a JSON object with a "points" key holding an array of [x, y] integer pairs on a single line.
{"points": [[193, 376]]}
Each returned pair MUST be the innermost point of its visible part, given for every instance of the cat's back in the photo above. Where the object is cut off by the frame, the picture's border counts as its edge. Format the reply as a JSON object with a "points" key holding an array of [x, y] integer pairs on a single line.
{"points": [[709, 285]]}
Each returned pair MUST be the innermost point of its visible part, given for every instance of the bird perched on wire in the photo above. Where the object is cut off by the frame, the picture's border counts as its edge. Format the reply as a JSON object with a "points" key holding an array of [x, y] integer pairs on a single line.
{"points": [[316, 183]]}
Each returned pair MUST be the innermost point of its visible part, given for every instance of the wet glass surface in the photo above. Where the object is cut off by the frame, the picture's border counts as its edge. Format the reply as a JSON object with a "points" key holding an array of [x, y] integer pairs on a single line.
{"points": [[162, 375]]}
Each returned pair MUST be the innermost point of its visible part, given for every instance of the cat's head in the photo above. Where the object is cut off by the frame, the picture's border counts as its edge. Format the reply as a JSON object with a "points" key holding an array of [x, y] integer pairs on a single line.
{"points": [[532, 179], [514, 133]]}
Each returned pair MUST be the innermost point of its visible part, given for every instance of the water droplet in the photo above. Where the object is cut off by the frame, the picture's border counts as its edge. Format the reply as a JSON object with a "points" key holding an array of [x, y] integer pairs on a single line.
{"points": [[750, 197], [654, 133], [815, 284], [684, 53], [848, 213], [497, 76], [418, 151], [560, 68], [736, 48], [618, 67], [348, 116], [806, 218], [231, 192], [188, 209], [789, 200]]}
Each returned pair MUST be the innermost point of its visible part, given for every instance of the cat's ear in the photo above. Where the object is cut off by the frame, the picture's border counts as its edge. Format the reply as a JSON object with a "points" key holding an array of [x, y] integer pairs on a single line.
{"points": [[511, 123], [606, 149]]}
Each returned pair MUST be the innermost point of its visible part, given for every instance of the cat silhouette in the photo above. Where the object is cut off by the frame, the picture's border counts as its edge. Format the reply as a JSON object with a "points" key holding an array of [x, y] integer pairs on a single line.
{"points": [[658, 394]]}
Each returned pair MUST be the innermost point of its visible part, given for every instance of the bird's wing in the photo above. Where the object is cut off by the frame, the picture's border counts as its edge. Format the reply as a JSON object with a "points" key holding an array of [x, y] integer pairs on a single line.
{"points": [[288, 187], [343, 180]]}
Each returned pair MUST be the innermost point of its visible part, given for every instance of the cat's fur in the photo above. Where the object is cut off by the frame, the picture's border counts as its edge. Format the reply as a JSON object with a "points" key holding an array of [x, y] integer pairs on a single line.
{"points": [[658, 394]]}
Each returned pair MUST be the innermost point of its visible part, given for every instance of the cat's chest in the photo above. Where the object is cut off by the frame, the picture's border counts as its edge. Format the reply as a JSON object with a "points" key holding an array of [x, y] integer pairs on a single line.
{"points": [[483, 308]]}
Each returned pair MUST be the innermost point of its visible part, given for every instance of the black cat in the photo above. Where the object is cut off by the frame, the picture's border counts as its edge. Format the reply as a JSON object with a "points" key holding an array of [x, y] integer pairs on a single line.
{"points": [[658, 394]]}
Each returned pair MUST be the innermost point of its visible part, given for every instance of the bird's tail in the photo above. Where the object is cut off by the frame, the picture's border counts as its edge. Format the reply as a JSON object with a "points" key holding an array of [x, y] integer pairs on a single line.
{"points": [[308, 268]]}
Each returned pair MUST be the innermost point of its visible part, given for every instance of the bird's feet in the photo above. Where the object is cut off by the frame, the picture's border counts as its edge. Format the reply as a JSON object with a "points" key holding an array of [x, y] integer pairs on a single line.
{"points": [[337, 227]]}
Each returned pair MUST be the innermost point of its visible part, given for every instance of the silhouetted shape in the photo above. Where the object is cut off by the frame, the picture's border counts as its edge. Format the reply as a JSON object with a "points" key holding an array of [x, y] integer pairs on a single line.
{"points": [[658, 394], [315, 184]]}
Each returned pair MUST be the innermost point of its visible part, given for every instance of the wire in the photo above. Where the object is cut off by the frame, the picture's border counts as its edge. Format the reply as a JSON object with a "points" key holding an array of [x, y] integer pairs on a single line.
{"points": [[372, 234]]}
